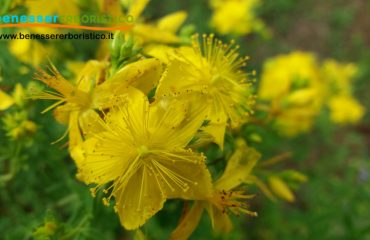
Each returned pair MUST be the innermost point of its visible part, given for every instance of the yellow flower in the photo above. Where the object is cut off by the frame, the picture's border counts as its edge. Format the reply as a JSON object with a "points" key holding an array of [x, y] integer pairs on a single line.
{"points": [[291, 83], [225, 199], [79, 102], [142, 150], [345, 109], [210, 71], [235, 16]]}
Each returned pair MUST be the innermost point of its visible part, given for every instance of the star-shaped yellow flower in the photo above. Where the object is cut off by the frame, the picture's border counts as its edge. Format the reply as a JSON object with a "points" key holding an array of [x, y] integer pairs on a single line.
{"points": [[142, 152], [212, 71]]}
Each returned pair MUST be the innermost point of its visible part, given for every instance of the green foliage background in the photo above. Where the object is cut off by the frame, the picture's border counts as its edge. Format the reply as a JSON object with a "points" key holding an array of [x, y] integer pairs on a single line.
{"points": [[333, 204]]}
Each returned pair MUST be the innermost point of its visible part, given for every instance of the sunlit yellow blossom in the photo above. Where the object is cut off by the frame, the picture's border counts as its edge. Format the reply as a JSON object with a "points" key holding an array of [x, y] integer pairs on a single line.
{"points": [[142, 150], [211, 71], [79, 102], [225, 198], [291, 83], [235, 16], [345, 109]]}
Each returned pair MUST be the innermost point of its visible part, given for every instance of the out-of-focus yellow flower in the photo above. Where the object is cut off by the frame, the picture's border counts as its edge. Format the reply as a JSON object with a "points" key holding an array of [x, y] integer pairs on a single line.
{"points": [[18, 126], [225, 199], [29, 51], [51, 8], [292, 84], [235, 16], [143, 151], [79, 102], [345, 110], [210, 71]]}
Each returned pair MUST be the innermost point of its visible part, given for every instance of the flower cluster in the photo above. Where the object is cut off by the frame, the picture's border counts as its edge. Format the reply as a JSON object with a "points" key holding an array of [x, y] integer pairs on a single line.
{"points": [[130, 130], [297, 88]]}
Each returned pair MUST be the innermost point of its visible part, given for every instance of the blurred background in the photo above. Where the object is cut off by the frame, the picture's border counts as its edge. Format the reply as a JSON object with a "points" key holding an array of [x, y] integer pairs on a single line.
{"points": [[38, 184]]}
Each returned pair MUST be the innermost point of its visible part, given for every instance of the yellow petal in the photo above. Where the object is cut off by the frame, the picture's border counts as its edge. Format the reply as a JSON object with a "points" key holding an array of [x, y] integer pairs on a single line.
{"points": [[103, 168], [238, 168], [159, 51], [5, 101], [75, 137], [90, 123], [217, 131], [177, 122], [143, 75], [139, 199], [137, 7], [150, 33], [172, 22], [188, 223]]}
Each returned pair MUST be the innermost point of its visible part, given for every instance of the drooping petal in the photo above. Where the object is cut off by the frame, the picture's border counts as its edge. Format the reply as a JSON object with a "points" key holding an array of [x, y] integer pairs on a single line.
{"points": [[139, 199], [238, 168], [188, 223]]}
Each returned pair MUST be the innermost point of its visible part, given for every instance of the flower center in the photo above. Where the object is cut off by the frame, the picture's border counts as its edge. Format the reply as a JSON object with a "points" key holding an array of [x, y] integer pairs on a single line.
{"points": [[143, 150]]}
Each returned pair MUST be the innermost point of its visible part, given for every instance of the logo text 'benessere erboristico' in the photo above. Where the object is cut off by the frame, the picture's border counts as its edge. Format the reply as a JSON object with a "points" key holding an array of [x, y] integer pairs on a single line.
{"points": [[67, 19]]}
